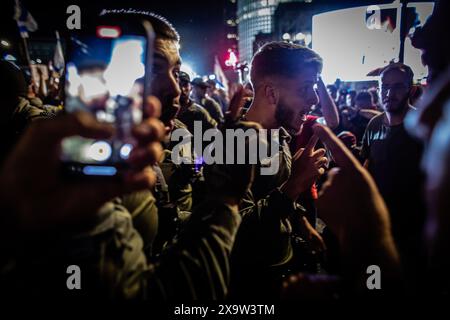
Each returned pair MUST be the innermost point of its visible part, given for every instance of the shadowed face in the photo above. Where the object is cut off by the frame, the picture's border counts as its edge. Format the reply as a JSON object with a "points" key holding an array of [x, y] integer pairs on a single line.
{"points": [[395, 91], [166, 71], [296, 97]]}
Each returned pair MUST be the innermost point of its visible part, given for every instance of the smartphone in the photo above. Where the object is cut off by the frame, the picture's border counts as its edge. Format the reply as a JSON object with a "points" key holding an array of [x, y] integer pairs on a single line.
{"points": [[108, 74]]}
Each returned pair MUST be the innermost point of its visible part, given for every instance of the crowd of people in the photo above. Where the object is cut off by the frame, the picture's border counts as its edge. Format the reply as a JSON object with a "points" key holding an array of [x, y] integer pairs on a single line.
{"points": [[362, 182]]}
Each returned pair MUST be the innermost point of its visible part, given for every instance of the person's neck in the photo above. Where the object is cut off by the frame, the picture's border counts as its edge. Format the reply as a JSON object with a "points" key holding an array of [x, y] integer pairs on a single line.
{"points": [[196, 99], [396, 118], [253, 113], [185, 103]]}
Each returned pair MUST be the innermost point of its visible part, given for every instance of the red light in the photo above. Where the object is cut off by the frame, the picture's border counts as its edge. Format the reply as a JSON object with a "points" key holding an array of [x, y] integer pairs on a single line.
{"points": [[232, 59], [108, 32]]}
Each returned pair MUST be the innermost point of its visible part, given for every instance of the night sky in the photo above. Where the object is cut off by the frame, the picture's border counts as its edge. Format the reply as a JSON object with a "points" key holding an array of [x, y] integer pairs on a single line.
{"points": [[199, 22]]}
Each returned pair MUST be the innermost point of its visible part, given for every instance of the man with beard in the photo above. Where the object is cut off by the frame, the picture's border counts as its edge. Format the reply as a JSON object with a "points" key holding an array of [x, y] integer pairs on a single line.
{"points": [[283, 76], [67, 223], [392, 156]]}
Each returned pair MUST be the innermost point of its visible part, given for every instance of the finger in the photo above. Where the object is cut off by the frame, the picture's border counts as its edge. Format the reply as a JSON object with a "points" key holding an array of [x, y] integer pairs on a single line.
{"points": [[322, 162], [311, 144], [150, 130], [298, 153], [84, 124], [328, 184], [141, 157], [341, 155], [236, 88], [144, 179], [319, 153], [237, 102], [153, 107]]}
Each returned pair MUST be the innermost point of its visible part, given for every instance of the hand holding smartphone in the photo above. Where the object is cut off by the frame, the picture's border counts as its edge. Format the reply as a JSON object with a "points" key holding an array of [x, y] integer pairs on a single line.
{"points": [[108, 74]]}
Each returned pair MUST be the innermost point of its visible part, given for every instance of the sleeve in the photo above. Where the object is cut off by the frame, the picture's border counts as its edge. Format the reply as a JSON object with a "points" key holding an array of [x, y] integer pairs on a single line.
{"points": [[197, 265], [207, 120], [215, 110], [264, 236]]}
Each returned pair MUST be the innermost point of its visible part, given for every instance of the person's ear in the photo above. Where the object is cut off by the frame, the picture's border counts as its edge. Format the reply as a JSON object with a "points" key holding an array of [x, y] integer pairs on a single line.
{"points": [[272, 94]]}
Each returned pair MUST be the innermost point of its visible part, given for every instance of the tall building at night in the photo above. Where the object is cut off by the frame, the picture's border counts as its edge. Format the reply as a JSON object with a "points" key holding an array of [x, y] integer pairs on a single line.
{"points": [[232, 38], [253, 17]]}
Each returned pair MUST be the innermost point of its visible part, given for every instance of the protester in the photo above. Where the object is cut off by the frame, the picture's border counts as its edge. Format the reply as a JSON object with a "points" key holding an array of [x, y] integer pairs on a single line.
{"points": [[214, 93], [199, 88], [121, 269], [191, 112], [283, 95], [372, 197], [355, 119], [392, 156]]}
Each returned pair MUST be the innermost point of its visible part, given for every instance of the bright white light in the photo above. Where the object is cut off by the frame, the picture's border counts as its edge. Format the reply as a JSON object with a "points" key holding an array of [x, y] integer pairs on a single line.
{"points": [[232, 59], [38, 60], [286, 36], [371, 48], [73, 80], [212, 77], [93, 86], [108, 32], [263, 12], [308, 39], [186, 67], [4, 43], [125, 67], [299, 36], [125, 151], [99, 151]]}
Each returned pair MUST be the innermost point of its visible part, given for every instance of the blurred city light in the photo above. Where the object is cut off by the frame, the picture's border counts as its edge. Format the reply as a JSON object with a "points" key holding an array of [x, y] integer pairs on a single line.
{"points": [[186, 67], [232, 59]]}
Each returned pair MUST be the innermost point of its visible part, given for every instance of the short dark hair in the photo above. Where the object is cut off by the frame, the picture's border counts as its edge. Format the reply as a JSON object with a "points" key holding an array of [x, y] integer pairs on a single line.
{"points": [[162, 27], [402, 68], [283, 59], [363, 96]]}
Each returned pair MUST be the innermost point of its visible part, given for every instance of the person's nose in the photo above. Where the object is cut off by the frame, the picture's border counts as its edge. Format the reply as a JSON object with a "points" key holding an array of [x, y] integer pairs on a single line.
{"points": [[313, 98], [173, 87], [389, 93]]}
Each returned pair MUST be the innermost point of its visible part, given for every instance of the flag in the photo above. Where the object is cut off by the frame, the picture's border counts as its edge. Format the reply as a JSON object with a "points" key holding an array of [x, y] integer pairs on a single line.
{"points": [[25, 20], [58, 56], [221, 79]]}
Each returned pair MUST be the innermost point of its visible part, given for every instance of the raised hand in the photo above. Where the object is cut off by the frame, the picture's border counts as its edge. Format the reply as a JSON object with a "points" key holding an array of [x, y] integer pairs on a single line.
{"points": [[307, 165], [239, 98], [34, 194], [351, 205]]}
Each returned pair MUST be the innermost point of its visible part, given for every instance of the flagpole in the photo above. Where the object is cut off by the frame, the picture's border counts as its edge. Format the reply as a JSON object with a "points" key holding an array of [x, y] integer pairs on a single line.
{"points": [[27, 53]]}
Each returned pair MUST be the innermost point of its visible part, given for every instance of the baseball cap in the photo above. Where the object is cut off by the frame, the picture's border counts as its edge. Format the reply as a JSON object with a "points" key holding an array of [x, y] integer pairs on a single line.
{"points": [[200, 83]]}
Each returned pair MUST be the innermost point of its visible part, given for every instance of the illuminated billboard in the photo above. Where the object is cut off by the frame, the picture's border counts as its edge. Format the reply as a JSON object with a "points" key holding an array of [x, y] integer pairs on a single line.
{"points": [[355, 41]]}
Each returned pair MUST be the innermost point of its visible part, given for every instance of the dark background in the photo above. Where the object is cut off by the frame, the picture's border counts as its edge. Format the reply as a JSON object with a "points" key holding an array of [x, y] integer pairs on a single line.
{"points": [[199, 22]]}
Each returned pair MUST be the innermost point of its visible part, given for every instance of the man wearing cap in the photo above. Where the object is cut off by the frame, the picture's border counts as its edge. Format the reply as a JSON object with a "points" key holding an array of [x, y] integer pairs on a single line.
{"points": [[199, 88], [393, 158], [216, 95], [191, 111]]}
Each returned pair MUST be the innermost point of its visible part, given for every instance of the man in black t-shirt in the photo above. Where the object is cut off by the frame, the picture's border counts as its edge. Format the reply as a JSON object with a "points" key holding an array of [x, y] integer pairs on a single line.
{"points": [[392, 156]]}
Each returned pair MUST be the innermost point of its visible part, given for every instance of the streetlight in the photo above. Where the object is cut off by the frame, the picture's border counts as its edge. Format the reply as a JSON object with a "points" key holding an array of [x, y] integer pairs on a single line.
{"points": [[299, 36], [4, 43], [286, 36]]}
